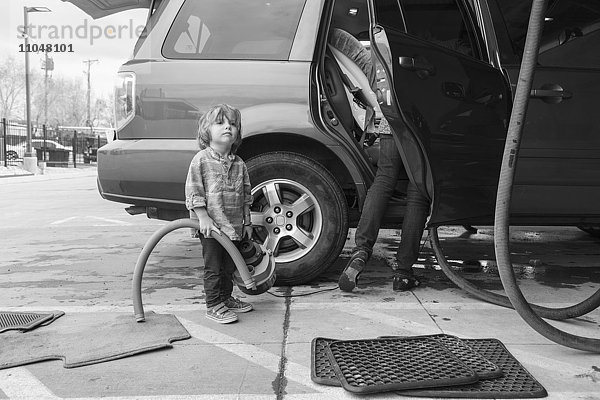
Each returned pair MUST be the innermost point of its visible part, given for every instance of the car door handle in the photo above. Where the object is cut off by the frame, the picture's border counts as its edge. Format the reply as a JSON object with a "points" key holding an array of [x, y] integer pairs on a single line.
{"points": [[418, 64], [550, 93]]}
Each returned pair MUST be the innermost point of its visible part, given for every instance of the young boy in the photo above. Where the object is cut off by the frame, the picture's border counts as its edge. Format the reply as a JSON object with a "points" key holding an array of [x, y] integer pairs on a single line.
{"points": [[217, 190]]}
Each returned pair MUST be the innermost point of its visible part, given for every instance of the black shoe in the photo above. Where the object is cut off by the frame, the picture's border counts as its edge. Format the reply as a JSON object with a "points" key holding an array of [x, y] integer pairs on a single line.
{"points": [[349, 278], [403, 282]]}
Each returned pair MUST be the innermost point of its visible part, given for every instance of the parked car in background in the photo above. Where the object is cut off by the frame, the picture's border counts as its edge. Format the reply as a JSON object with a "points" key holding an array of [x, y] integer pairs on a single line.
{"points": [[446, 73], [17, 151], [90, 154]]}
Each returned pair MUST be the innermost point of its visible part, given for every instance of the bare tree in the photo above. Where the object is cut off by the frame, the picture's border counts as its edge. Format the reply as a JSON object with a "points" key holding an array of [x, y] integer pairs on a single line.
{"points": [[66, 97], [103, 111], [12, 88]]}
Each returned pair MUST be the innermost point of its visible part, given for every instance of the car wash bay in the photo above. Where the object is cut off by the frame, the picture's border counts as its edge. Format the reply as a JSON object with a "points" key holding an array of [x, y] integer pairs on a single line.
{"points": [[64, 248]]}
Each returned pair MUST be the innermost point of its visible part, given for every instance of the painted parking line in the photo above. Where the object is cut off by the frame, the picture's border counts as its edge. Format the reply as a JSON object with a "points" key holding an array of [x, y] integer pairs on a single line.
{"points": [[92, 220], [62, 221], [256, 355], [19, 383]]}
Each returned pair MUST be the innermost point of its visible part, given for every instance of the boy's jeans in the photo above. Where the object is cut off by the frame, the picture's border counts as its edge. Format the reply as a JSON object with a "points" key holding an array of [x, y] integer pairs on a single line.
{"points": [[378, 196], [218, 271]]}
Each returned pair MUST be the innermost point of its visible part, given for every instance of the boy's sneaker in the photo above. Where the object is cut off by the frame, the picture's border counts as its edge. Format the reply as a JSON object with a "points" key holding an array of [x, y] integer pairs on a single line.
{"points": [[221, 314], [349, 278], [238, 306]]}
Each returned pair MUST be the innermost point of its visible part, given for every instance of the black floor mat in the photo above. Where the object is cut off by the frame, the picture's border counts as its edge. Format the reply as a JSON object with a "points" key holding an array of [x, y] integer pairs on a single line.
{"points": [[483, 367], [379, 365], [516, 383], [321, 370], [25, 321]]}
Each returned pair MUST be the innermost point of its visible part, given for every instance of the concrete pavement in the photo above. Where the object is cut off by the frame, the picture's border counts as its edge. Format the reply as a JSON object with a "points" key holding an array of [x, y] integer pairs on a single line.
{"points": [[75, 252]]}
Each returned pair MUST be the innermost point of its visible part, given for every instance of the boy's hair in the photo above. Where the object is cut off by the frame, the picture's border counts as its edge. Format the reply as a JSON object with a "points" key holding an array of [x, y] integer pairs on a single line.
{"points": [[215, 114]]}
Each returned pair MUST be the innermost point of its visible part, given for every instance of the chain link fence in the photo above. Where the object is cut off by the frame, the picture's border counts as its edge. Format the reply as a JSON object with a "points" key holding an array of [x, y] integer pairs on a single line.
{"points": [[58, 147]]}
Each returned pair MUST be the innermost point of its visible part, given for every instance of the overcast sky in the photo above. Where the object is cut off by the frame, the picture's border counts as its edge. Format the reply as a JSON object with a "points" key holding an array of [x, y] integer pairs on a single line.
{"points": [[67, 24]]}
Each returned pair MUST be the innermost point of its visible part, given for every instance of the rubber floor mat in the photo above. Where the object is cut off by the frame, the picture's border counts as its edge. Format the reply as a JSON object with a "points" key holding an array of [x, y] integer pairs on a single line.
{"points": [[483, 367], [515, 383], [26, 321], [321, 370], [380, 365]]}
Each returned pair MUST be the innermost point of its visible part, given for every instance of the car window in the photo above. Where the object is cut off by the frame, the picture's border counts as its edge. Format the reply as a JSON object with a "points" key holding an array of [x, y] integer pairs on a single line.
{"points": [[234, 29], [153, 17], [442, 22], [389, 14], [571, 35]]}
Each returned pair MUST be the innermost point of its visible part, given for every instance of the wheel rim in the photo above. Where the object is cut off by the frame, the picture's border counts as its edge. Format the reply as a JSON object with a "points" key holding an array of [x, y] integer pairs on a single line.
{"points": [[11, 155], [287, 218]]}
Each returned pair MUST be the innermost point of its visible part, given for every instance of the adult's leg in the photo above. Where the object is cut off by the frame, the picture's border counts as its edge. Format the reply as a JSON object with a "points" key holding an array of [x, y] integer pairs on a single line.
{"points": [[417, 209], [378, 195], [374, 208]]}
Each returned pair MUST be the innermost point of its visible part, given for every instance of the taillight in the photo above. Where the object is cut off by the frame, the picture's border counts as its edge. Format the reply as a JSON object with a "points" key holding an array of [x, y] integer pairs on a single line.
{"points": [[124, 98]]}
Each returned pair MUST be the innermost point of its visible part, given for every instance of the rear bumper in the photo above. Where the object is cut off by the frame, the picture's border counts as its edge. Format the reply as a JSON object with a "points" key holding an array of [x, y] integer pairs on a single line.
{"points": [[149, 173]]}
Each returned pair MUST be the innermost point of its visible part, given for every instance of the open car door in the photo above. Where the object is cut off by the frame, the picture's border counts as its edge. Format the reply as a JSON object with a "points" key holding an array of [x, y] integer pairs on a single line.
{"points": [[447, 105], [101, 8]]}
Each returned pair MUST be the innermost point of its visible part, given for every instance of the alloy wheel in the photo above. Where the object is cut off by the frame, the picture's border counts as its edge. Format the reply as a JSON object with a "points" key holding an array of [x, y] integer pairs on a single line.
{"points": [[286, 218]]}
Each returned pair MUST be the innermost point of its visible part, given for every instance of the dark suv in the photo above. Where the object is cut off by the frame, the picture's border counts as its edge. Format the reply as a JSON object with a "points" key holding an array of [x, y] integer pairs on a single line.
{"points": [[445, 72]]}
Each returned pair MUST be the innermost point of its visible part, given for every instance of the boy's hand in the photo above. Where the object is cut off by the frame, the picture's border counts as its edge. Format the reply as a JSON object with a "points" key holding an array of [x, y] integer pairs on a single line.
{"points": [[207, 225], [248, 230]]}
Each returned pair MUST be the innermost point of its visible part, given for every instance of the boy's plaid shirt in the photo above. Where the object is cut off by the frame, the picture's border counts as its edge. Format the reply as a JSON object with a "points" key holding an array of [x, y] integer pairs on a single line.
{"points": [[222, 186]]}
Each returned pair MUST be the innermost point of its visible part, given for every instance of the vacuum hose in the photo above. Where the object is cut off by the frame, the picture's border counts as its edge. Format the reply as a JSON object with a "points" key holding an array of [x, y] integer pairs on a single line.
{"points": [[240, 263], [586, 306], [532, 314], [503, 198]]}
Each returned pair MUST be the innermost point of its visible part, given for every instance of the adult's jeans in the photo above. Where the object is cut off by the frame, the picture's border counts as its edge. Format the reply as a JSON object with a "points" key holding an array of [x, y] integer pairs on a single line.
{"points": [[218, 271], [413, 225], [378, 196]]}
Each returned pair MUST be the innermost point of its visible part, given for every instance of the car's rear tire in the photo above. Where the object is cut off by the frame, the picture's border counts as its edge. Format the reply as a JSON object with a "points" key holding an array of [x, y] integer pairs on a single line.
{"points": [[300, 211], [12, 155]]}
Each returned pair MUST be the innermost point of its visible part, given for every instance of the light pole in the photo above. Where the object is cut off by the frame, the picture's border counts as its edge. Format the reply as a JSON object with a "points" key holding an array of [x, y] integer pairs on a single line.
{"points": [[89, 90], [30, 159]]}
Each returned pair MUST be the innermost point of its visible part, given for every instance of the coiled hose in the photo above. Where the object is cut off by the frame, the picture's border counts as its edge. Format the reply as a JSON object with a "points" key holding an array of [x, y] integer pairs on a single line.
{"points": [[503, 198], [532, 314], [156, 237], [577, 310]]}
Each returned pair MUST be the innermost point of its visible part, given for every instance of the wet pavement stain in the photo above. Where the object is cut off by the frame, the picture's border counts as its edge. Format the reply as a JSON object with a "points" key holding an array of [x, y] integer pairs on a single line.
{"points": [[593, 375]]}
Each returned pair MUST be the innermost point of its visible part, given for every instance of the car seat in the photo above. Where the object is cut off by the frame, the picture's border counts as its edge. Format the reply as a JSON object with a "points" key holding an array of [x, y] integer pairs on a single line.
{"points": [[351, 77]]}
